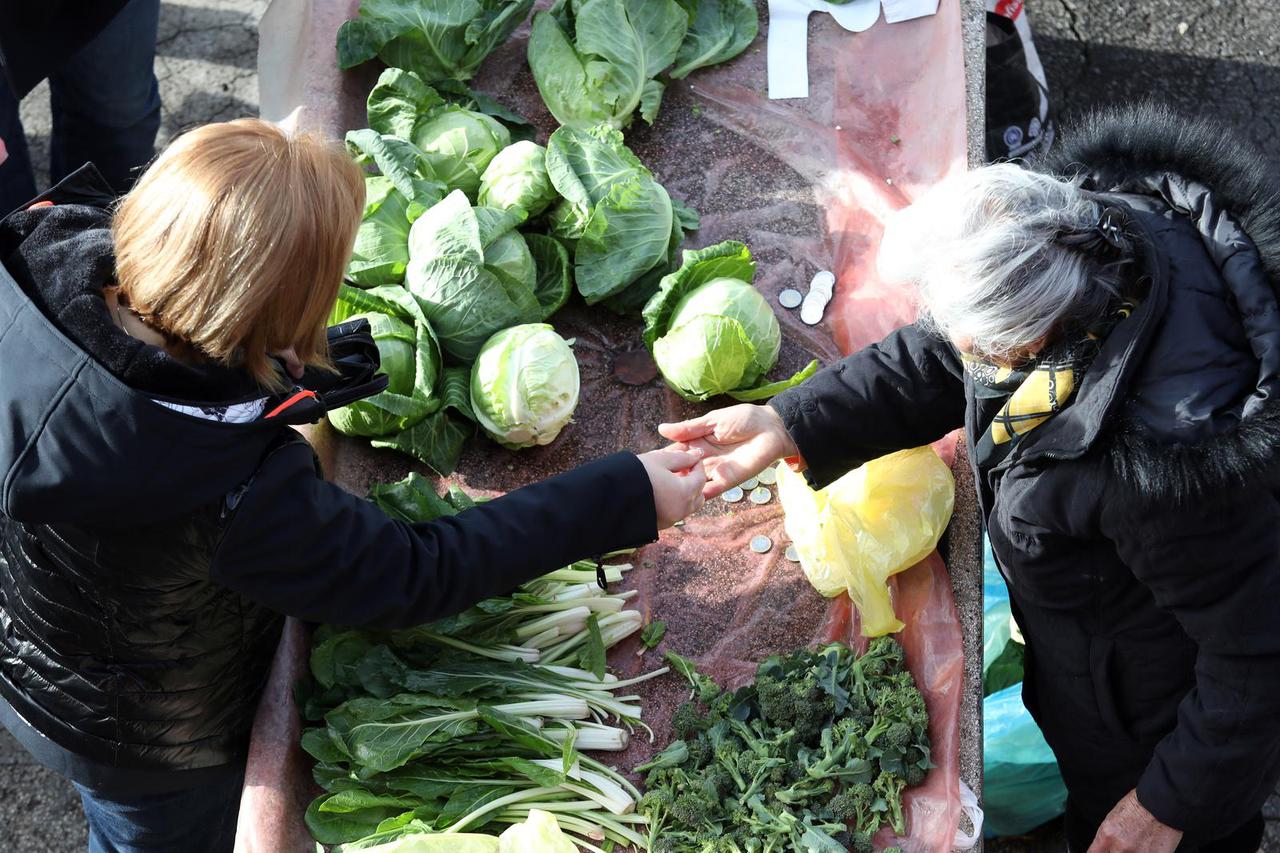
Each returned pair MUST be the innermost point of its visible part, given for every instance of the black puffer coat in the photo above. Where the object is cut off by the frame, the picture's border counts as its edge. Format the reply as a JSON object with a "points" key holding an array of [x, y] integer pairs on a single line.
{"points": [[146, 554], [1139, 529]]}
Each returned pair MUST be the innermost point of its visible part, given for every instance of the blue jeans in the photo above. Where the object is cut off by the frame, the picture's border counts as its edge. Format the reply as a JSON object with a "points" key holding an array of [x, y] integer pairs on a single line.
{"points": [[106, 109], [198, 820]]}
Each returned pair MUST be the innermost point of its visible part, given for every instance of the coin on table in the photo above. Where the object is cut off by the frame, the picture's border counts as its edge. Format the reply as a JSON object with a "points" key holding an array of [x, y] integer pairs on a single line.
{"points": [[792, 554], [732, 496], [761, 544], [761, 495], [750, 483], [790, 298], [768, 477]]}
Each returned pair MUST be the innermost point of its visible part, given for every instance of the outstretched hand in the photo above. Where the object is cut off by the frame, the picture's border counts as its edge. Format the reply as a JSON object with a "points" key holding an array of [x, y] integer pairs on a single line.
{"points": [[736, 443], [677, 478]]}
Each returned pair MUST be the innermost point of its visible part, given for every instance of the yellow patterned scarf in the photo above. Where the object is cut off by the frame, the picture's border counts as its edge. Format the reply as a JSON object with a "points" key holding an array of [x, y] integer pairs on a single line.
{"points": [[1036, 391]]}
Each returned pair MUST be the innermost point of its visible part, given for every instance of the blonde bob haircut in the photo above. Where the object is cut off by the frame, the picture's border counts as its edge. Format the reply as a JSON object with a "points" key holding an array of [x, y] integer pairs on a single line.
{"points": [[233, 243]]}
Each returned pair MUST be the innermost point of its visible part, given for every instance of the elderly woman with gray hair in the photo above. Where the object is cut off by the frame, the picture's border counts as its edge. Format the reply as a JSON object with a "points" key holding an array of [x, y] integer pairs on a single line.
{"points": [[1106, 330]]}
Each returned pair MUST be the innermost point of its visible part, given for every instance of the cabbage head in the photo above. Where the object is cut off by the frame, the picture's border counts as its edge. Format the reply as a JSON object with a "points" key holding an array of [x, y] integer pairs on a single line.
{"points": [[381, 251], [624, 226], [517, 178], [711, 332], [524, 386], [459, 144], [471, 273]]}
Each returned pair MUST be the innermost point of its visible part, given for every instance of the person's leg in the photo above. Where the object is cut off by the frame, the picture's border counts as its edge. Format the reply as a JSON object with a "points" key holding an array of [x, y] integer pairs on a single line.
{"points": [[17, 182], [199, 820], [1246, 839], [106, 101]]}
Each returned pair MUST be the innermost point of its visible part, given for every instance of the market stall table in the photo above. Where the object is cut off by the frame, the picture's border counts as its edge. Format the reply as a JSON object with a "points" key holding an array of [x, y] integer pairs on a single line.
{"points": [[806, 184]]}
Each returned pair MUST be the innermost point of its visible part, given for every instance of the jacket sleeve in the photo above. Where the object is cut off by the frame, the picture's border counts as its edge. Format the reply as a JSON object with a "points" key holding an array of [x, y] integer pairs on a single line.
{"points": [[1215, 566], [308, 548], [906, 391]]}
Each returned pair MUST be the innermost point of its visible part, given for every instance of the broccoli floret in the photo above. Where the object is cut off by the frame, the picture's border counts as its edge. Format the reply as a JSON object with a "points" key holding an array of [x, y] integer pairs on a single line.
{"points": [[688, 720], [914, 775], [860, 841], [889, 786], [899, 736], [693, 810], [892, 850], [699, 753], [853, 804]]}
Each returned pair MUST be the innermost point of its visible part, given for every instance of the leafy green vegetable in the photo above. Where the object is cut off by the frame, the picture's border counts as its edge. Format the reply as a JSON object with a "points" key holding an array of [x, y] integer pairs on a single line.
{"points": [[554, 285], [621, 219], [410, 358], [524, 386], [459, 144], [437, 39], [433, 419], [719, 30], [596, 61], [393, 199], [653, 634], [434, 730], [592, 658], [465, 279], [456, 142], [711, 332], [517, 178], [813, 755]]}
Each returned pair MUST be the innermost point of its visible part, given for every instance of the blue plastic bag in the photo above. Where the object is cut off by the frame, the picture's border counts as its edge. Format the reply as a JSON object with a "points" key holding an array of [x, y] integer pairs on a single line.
{"points": [[1022, 787]]}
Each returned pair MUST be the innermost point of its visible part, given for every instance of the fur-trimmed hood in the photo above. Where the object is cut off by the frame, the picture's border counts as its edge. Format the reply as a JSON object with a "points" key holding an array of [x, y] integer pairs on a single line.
{"points": [[1202, 412]]}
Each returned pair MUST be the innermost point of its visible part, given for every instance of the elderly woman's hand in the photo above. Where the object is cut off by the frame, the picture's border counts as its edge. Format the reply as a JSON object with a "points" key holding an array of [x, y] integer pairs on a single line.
{"points": [[737, 443], [1130, 828]]}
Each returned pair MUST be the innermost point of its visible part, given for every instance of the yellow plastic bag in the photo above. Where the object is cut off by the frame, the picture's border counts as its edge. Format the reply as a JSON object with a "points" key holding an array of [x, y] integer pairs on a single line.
{"points": [[873, 522]]}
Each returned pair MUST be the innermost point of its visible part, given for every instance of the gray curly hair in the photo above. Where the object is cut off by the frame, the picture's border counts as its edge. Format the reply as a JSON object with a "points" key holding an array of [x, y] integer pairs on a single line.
{"points": [[985, 253]]}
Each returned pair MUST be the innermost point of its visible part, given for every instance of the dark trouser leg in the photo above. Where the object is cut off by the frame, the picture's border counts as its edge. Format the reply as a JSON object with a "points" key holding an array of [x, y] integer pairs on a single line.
{"points": [[17, 183], [198, 820], [106, 101]]}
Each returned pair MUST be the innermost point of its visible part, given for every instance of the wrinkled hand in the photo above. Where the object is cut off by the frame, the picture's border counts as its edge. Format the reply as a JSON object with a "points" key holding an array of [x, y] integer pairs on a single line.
{"points": [[1130, 828], [677, 477], [737, 443]]}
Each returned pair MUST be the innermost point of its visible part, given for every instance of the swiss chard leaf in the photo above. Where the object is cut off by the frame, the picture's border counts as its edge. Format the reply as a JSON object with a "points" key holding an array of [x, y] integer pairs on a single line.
{"points": [[653, 633], [592, 656]]}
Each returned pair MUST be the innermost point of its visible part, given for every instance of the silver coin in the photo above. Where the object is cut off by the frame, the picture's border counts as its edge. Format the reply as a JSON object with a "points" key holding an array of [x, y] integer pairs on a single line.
{"points": [[750, 483], [761, 544], [761, 495], [732, 496], [790, 298], [768, 477], [792, 554]]}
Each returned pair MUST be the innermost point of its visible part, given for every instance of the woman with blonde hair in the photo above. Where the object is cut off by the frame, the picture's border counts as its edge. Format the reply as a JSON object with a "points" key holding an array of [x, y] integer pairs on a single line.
{"points": [[158, 513]]}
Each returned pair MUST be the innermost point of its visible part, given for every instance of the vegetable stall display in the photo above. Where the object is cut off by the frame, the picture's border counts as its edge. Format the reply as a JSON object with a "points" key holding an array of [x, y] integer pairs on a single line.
{"points": [[491, 248]]}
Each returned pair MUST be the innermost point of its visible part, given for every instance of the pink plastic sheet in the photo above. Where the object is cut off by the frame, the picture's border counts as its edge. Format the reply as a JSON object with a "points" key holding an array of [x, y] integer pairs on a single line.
{"points": [[806, 184]]}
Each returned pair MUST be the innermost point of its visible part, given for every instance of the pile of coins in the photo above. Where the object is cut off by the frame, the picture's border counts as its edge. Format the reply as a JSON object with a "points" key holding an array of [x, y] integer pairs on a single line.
{"points": [[756, 489]]}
